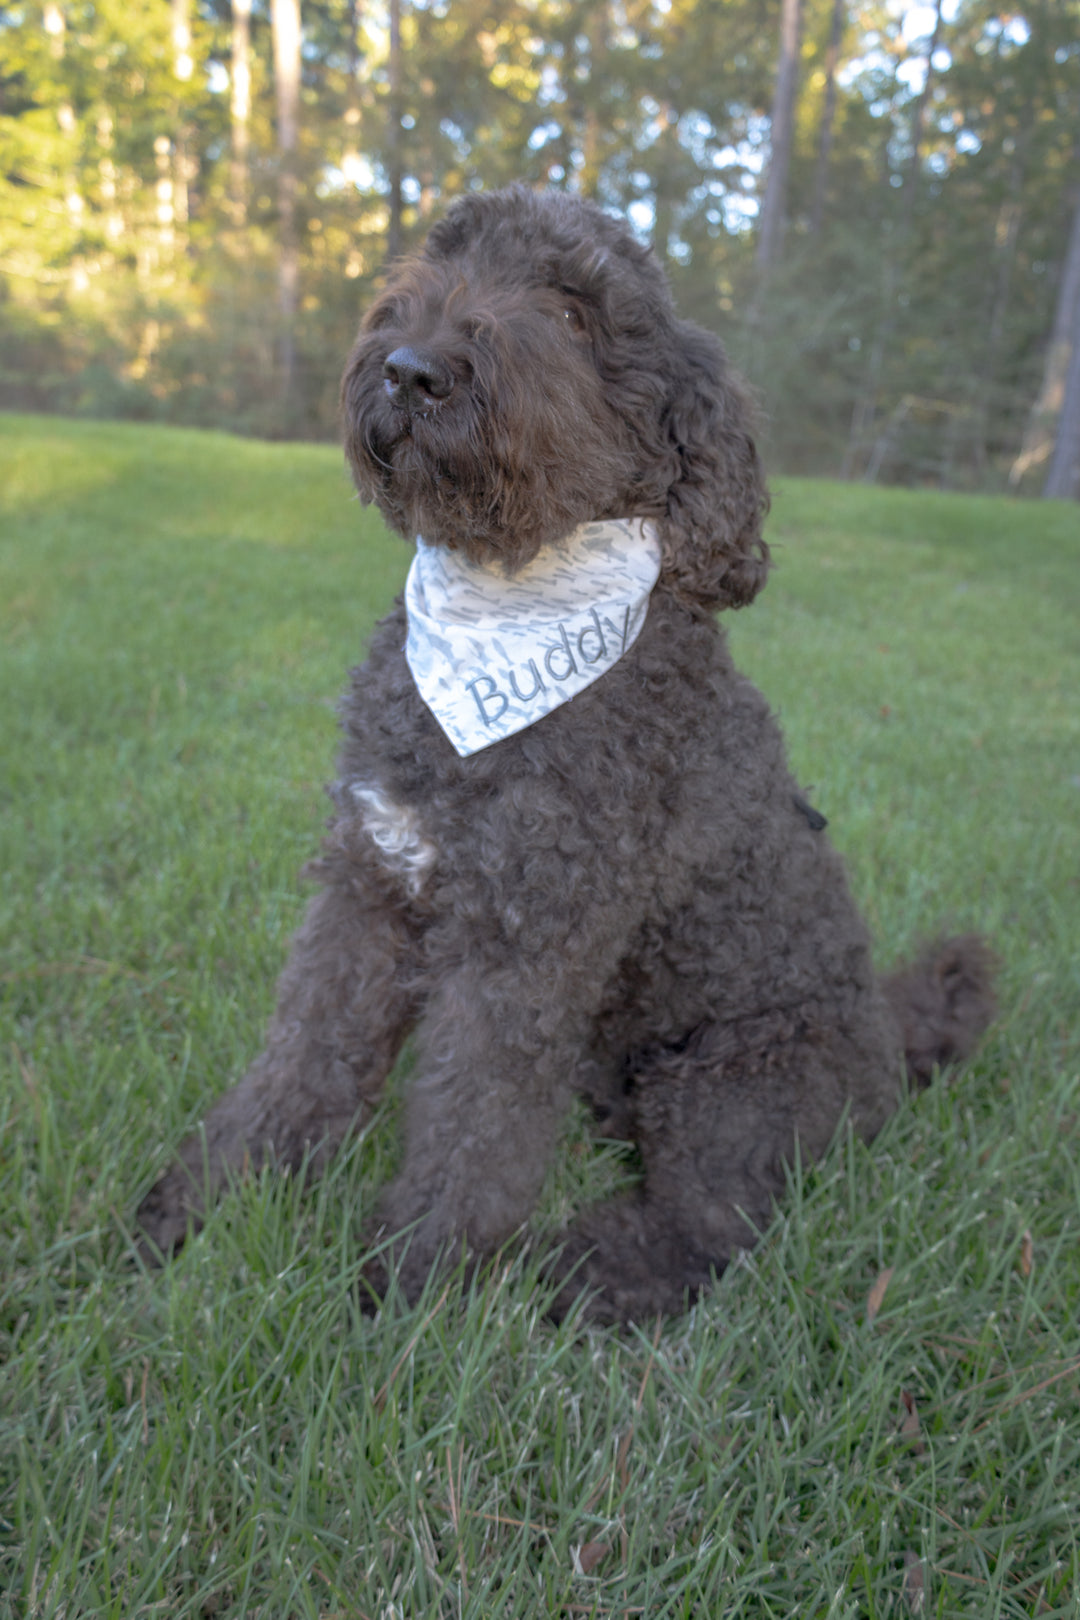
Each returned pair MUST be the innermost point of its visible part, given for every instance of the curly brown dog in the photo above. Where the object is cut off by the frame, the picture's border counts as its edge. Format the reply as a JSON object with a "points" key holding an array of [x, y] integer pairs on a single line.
{"points": [[627, 896]]}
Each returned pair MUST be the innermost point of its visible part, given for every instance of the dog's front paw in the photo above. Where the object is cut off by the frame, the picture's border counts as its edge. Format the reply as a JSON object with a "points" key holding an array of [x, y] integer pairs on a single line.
{"points": [[171, 1209]]}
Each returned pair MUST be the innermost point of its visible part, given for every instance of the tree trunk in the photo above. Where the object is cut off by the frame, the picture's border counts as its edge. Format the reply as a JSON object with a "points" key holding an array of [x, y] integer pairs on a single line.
{"points": [[165, 210], [107, 172], [828, 116], [780, 141], [393, 137], [1006, 238], [1039, 438], [918, 119], [864, 411], [896, 254], [1063, 479], [240, 111], [183, 68], [664, 172], [352, 166], [592, 137], [285, 22], [52, 18]]}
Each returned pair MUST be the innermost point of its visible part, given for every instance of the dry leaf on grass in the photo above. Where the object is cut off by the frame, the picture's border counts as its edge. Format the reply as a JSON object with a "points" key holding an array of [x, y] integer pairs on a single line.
{"points": [[910, 1428], [877, 1293], [587, 1557], [1027, 1254]]}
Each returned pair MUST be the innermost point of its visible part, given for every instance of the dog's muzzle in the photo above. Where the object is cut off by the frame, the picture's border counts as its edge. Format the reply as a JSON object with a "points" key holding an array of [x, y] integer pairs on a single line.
{"points": [[417, 380]]}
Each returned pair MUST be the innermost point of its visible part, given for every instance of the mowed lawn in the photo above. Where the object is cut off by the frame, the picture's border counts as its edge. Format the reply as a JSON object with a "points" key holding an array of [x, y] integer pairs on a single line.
{"points": [[876, 1413]]}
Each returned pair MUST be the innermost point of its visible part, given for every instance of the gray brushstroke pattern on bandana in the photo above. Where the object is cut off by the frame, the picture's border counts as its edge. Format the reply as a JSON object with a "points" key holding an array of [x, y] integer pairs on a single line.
{"points": [[491, 655]]}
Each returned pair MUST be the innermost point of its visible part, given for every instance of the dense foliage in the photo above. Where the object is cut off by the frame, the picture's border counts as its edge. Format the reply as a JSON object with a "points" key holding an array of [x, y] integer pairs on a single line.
{"points": [[900, 330]]}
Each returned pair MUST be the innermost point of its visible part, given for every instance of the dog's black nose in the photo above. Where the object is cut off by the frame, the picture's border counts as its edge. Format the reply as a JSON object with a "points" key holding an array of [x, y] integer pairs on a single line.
{"points": [[417, 379]]}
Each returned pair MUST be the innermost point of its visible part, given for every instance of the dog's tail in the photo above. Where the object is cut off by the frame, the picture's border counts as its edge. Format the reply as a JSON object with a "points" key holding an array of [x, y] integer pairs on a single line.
{"points": [[943, 1001]]}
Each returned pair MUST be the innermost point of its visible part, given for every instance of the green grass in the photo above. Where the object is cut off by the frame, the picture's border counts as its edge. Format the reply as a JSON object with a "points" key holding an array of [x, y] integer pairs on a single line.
{"points": [[230, 1436]]}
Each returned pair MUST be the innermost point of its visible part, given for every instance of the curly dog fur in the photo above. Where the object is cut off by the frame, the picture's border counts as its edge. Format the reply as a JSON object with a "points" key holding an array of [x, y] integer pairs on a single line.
{"points": [[629, 898]]}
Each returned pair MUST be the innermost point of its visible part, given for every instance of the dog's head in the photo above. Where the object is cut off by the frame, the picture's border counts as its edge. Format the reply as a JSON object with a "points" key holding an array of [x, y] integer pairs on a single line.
{"points": [[526, 373]]}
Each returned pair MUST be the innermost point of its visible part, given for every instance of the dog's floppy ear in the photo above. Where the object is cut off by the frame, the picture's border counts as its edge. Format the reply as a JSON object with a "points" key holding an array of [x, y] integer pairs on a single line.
{"points": [[714, 554]]}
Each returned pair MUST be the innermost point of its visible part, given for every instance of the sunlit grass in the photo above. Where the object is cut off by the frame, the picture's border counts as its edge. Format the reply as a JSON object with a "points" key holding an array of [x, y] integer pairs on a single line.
{"points": [[231, 1436]]}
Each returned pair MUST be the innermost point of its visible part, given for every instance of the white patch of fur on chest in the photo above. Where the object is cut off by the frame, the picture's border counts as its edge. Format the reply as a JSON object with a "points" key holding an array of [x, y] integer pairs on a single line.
{"points": [[397, 832]]}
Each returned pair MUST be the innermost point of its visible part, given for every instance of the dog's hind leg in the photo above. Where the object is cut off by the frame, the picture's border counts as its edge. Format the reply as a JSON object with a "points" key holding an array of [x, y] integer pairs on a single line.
{"points": [[715, 1124], [343, 1009]]}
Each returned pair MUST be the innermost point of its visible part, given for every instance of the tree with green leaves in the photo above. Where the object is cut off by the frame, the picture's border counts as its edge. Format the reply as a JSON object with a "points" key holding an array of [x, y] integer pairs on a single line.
{"points": [[196, 202]]}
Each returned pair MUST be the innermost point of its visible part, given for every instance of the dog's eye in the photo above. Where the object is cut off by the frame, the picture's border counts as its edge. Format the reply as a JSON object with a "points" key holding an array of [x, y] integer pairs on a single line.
{"points": [[573, 318]]}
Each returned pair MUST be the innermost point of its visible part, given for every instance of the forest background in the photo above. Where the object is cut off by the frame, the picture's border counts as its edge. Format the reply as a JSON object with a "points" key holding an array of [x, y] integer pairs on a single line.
{"points": [[877, 206]]}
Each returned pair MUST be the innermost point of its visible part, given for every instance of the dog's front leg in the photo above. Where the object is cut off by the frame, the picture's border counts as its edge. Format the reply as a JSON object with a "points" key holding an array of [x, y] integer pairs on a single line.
{"points": [[496, 1061], [343, 1010]]}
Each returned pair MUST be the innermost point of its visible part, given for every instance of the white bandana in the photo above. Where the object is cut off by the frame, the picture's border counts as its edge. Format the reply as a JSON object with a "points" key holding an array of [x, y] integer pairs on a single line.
{"points": [[492, 654]]}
